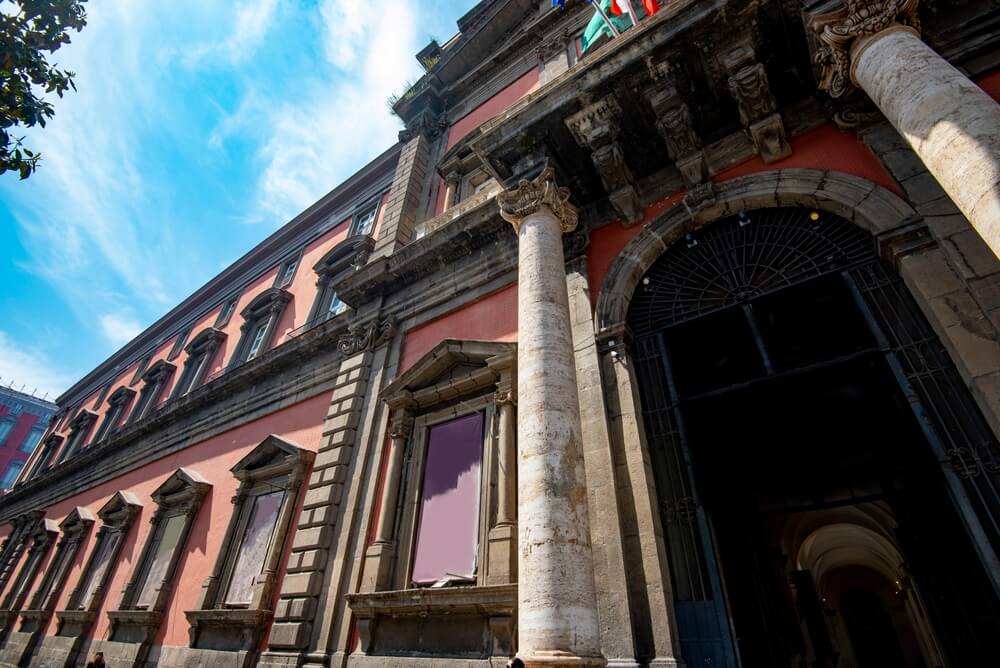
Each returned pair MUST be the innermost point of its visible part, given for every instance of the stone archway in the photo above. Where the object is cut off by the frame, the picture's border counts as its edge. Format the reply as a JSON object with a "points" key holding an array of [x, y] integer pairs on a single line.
{"points": [[881, 213]]}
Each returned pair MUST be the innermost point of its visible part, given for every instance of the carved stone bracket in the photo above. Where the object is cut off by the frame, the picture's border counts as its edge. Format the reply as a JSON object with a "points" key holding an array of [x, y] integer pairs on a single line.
{"points": [[837, 30], [749, 86], [366, 337], [674, 123], [597, 126], [530, 196]]}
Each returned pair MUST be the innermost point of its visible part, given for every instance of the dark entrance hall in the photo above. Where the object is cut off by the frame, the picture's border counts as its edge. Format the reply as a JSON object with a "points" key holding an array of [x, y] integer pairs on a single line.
{"points": [[810, 516]]}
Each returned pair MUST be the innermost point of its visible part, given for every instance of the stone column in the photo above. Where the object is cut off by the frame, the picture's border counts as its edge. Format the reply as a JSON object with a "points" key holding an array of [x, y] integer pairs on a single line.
{"points": [[557, 609], [399, 431], [949, 121]]}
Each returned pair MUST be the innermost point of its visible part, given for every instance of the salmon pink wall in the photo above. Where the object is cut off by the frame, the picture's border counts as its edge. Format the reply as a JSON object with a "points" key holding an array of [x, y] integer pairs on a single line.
{"points": [[493, 106], [492, 318], [825, 147], [301, 424]]}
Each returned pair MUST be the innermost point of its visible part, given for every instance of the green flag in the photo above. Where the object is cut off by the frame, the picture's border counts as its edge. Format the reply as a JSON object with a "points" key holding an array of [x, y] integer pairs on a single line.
{"points": [[598, 27]]}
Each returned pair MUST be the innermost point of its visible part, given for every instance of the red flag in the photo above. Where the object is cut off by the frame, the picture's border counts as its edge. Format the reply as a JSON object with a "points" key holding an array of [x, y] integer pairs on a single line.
{"points": [[651, 6], [616, 9]]}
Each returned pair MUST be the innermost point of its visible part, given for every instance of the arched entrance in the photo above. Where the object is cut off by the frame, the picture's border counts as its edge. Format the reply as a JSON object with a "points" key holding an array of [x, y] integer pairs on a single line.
{"points": [[788, 380]]}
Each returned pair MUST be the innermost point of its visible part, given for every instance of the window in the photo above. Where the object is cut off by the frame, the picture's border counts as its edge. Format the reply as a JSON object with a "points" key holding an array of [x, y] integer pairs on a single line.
{"points": [[31, 440], [6, 426], [258, 339], [79, 431], [451, 413], [74, 528], [10, 475], [179, 342], [364, 221], [226, 312], [335, 266], [118, 404], [140, 369], [240, 590], [41, 541], [155, 381], [200, 355], [286, 272], [178, 500], [50, 447], [261, 318]]}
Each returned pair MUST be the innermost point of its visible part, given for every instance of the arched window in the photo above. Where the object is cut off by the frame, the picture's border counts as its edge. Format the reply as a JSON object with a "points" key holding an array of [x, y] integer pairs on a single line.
{"points": [[155, 379], [200, 353], [118, 404]]}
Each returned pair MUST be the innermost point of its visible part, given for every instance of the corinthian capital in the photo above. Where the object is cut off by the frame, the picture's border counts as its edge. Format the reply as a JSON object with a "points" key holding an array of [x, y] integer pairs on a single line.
{"points": [[530, 196], [838, 30]]}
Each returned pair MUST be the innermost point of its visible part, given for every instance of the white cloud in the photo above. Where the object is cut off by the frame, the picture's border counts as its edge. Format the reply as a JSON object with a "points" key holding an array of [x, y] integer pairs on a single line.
{"points": [[251, 22], [119, 329], [32, 369], [317, 142]]}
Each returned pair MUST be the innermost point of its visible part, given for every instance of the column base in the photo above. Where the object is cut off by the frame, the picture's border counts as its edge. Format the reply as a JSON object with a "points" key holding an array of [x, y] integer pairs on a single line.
{"points": [[562, 660], [666, 662]]}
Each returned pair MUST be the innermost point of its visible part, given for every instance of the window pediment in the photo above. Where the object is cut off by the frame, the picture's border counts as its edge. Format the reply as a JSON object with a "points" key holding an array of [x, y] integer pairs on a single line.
{"points": [[450, 370], [121, 396], [119, 509], [274, 456], [158, 372], [270, 300], [207, 339], [183, 484], [78, 520], [84, 419], [351, 252]]}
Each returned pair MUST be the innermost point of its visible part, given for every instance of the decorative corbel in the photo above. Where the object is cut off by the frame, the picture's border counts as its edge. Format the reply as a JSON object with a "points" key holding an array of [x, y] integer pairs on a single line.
{"points": [[749, 86], [597, 127], [674, 123]]}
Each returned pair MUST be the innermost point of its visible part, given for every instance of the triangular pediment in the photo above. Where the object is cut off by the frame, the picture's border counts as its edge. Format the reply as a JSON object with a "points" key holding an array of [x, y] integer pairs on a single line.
{"points": [[459, 365], [271, 452], [181, 480], [122, 503]]}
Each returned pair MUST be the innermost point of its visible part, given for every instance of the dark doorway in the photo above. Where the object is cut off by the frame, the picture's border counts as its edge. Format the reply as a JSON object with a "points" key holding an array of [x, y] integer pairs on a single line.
{"points": [[779, 381]]}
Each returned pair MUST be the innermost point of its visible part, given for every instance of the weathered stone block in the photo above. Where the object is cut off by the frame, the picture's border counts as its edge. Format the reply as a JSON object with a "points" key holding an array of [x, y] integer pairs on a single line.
{"points": [[311, 539], [322, 495], [300, 584]]}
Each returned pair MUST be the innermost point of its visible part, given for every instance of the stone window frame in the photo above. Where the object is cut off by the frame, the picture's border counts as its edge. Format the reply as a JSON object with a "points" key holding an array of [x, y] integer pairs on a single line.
{"points": [[200, 354], [369, 206], [80, 429], [179, 343], [287, 270], [333, 267], [155, 382], [118, 405], [453, 380], [264, 311], [181, 494], [275, 464], [42, 538], [74, 528], [140, 369], [117, 517]]}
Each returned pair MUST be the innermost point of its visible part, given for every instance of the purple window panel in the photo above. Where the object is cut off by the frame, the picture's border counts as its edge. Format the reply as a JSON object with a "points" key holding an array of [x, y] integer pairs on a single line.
{"points": [[253, 548], [448, 530], [96, 574]]}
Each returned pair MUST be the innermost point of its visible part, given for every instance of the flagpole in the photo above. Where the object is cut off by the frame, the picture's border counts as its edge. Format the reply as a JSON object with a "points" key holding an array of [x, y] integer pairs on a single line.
{"points": [[607, 21], [631, 12]]}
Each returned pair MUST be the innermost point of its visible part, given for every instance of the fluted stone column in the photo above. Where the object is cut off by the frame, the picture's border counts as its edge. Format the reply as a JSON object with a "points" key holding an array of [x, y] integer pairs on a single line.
{"points": [[557, 608], [951, 123]]}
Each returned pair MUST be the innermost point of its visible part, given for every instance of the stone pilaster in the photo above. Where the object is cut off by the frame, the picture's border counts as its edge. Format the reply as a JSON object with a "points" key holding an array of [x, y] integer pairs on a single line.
{"points": [[557, 606], [950, 122], [403, 203]]}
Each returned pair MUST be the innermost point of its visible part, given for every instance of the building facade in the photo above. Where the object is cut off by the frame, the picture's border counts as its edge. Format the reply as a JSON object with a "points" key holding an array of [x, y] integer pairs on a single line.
{"points": [[680, 351], [23, 420]]}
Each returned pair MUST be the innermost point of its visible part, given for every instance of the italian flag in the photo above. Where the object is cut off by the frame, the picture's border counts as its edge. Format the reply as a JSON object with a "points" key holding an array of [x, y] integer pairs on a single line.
{"points": [[617, 13]]}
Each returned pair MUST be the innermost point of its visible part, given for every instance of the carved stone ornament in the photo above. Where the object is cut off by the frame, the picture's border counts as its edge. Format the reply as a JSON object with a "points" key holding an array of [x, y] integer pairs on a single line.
{"points": [[837, 30], [676, 127], [530, 196], [366, 337], [749, 86]]}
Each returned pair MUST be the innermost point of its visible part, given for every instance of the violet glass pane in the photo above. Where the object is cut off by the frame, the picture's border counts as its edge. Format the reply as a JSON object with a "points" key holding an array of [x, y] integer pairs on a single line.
{"points": [[100, 567], [448, 533], [253, 548], [170, 536]]}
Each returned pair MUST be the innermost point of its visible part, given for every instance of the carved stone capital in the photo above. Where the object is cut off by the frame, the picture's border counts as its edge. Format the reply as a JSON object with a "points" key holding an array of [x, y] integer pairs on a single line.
{"points": [[401, 426], [837, 30], [530, 196], [366, 337]]}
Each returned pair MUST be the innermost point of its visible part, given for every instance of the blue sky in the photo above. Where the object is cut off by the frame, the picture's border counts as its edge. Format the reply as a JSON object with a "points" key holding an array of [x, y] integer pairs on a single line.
{"points": [[199, 127]]}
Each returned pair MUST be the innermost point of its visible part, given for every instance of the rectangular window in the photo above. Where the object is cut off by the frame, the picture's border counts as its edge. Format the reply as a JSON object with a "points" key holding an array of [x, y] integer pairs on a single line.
{"points": [[96, 574], [336, 306], [364, 222], [6, 426], [287, 273], [170, 538], [31, 440], [447, 541], [253, 548], [226, 312], [10, 475], [257, 342]]}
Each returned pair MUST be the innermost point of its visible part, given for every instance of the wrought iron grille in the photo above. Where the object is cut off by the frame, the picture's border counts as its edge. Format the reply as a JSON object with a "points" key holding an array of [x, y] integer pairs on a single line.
{"points": [[742, 257]]}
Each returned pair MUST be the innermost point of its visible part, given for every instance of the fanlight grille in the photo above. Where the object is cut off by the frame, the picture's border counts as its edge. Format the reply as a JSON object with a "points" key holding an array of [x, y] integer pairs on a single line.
{"points": [[742, 257]]}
